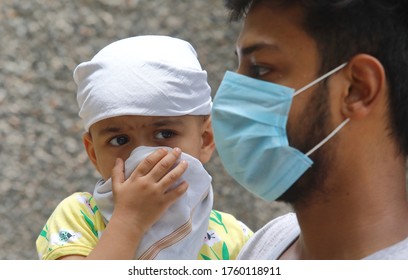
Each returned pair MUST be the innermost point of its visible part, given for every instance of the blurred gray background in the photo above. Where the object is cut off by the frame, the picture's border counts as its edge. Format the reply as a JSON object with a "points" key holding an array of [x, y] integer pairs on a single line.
{"points": [[41, 154]]}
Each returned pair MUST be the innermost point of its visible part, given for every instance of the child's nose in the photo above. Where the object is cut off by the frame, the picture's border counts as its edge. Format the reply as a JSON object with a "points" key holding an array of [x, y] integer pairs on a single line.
{"points": [[144, 142]]}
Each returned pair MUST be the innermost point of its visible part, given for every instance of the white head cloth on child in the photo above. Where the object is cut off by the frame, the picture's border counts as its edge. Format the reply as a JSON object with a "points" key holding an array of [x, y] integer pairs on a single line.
{"points": [[148, 75]]}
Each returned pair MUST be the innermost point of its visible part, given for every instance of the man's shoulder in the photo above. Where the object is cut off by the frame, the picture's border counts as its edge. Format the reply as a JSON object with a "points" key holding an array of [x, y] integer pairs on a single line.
{"points": [[279, 227], [286, 219], [272, 239], [398, 251]]}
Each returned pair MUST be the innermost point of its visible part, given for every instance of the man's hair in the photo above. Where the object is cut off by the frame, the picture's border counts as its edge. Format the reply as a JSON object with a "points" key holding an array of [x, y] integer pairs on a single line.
{"points": [[345, 28]]}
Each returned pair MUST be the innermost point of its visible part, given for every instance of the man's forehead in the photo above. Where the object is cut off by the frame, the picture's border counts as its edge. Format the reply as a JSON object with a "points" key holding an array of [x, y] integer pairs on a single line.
{"points": [[269, 28]]}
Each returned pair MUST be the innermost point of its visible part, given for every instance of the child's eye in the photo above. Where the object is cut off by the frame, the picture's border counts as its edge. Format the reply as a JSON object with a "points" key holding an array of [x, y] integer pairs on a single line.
{"points": [[164, 134], [259, 71], [118, 141]]}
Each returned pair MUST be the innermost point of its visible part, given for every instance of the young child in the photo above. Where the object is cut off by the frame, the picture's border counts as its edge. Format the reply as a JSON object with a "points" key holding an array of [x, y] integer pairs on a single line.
{"points": [[144, 100]]}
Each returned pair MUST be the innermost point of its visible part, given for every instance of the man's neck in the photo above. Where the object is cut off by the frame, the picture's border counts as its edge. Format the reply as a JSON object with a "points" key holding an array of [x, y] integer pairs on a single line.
{"points": [[353, 222]]}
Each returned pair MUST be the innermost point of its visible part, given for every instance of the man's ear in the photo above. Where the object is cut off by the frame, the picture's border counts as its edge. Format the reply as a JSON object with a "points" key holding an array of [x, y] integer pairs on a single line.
{"points": [[89, 147], [367, 85], [208, 144]]}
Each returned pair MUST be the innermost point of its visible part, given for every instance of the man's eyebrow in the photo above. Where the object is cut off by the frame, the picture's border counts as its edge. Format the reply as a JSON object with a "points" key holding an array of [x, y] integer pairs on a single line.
{"points": [[256, 47]]}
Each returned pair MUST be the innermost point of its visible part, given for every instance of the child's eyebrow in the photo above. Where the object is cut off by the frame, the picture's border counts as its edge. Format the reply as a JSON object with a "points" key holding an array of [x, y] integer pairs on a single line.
{"points": [[158, 123], [109, 130], [164, 122]]}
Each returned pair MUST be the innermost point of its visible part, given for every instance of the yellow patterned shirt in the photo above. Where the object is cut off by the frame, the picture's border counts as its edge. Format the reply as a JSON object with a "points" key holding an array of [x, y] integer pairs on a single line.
{"points": [[76, 225]]}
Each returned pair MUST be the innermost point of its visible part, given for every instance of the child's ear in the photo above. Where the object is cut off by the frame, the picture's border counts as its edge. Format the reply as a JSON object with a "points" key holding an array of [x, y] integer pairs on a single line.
{"points": [[208, 144], [89, 147]]}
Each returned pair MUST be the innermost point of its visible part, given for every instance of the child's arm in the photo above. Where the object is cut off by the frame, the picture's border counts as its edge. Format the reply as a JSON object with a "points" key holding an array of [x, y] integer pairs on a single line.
{"points": [[139, 202]]}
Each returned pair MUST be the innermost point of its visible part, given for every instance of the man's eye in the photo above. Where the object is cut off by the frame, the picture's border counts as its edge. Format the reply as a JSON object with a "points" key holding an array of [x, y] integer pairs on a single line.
{"points": [[118, 141], [164, 134]]}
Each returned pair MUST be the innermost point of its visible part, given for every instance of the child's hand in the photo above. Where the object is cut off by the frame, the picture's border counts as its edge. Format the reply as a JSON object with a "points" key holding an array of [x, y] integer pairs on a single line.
{"points": [[142, 199]]}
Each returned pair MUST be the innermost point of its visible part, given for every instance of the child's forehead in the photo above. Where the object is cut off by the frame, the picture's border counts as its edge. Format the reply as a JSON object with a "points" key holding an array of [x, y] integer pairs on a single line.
{"points": [[138, 122]]}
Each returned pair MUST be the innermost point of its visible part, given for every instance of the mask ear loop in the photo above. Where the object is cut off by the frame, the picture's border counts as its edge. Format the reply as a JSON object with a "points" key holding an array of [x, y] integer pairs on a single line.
{"points": [[319, 79], [309, 86], [328, 137]]}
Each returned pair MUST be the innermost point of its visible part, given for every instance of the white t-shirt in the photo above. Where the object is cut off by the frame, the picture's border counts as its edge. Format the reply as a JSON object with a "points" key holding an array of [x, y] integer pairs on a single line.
{"points": [[275, 237]]}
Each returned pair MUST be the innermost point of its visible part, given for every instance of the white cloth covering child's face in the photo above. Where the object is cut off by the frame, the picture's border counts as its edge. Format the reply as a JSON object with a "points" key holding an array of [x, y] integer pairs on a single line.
{"points": [[179, 233]]}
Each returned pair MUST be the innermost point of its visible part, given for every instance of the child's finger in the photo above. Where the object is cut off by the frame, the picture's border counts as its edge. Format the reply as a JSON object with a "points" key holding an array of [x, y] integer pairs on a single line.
{"points": [[118, 172], [171, 177], [166, 164], [147, 164], [175, 193]]}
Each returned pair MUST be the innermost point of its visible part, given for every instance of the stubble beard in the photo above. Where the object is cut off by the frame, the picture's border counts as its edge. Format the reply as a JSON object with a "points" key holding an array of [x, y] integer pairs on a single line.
{"points": [[315, 126]]}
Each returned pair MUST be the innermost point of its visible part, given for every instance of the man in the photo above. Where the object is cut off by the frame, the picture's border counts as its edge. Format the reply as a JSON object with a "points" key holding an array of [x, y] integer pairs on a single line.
{"points": [[336, 149]]}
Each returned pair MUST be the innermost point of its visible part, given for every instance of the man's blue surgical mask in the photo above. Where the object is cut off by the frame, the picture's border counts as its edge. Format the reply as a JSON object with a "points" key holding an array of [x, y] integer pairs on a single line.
{"points": [[249, 120]]}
